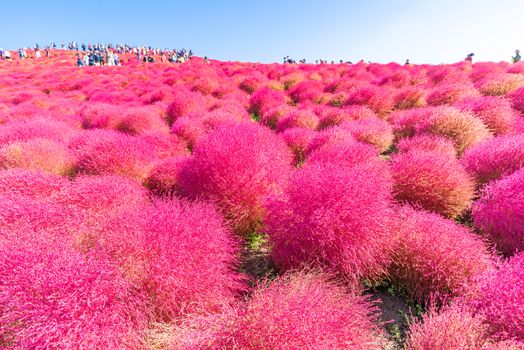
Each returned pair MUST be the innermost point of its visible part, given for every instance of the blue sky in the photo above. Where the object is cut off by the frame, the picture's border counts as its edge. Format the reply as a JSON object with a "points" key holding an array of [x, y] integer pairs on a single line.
{"points": [[376, 30]]}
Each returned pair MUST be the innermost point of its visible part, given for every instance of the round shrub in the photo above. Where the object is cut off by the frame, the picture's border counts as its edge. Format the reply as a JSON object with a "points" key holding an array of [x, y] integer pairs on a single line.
{"points": [[432, 273], [295, 311], [53, 297], [303, 118], [427, 143], [298, 139], [495, 158], [163, 177], [31, 183], [332, 217], [136, 120], [37, 154], [374, 131], [464, 129], [498, 298], [451, 328], [447, 94], [497, 213], [517, 99], [107, 152], [433, 181], [236, 166], [180, 255], [496, 113], [345, 154]]}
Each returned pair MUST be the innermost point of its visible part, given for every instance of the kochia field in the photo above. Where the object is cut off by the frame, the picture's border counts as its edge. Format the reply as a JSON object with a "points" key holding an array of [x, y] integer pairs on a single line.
{"points": [[229, 205]]}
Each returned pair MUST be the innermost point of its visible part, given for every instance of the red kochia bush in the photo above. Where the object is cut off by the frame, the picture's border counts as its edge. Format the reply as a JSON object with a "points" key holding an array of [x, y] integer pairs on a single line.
{"points": [[55, 298], [450, 93], [430, 272], [236, 166], [35, 128], [182, 103], [498, 213], [37, 154], [303, 118], [180, 255], [136, 120], [374, 131], [495, 158], [333, 217], [498, 298], [427, 142], [295, 311], [434, 181], [463, 128], [346, 154]]}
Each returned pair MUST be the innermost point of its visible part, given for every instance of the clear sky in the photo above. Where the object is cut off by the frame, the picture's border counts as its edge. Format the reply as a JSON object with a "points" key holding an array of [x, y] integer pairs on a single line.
{"points": [[434, 31]]}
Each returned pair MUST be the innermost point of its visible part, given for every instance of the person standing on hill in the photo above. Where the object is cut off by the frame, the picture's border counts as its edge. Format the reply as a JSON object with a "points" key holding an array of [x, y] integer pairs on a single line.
{"points": [[469, 58], [517, 57]]}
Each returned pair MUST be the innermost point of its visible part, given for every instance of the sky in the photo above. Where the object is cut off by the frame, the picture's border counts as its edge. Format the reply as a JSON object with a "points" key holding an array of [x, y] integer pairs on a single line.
{"points": [[435, 31]]}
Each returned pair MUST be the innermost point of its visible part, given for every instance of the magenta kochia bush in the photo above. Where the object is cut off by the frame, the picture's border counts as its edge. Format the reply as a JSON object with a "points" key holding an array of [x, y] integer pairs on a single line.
{"points": [[495, 112], [235, 167], [434, 181], [180, 255], [54, 298], [428, 272], [495, 158], [295, 311], [333, 217], [498, 213], [498, 297], [163, 178]]}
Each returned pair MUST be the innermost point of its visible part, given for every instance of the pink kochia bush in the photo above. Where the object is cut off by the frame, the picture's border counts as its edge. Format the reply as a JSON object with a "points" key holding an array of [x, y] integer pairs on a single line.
{"points": [[235, 167], [332, 217], [464, 129], [295, 311], [434, 258], [163, 178], [52, 297], [498, 298], [454, 328], [434, 181], [31, 183], [37, 154], [498, 213], [180, 255], [105, 152], [495, 158], [496, 113], [427, 142]]}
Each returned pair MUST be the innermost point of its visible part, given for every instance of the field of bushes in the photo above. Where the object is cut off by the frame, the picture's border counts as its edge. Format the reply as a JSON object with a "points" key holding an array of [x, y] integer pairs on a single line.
{"points": [[228, 205]]}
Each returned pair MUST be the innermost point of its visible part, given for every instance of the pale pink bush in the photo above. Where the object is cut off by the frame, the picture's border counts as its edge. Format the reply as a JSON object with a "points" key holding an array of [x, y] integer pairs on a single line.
{"points": [[496, 113], [332, 217], [374, 131], [433, 181], [37, 154], [432, 273], [463, 128], [495, 158], [235, 167], [497, 213], [55, 298], [180, 255], [302, 118], [427, 143], [448, 94]]}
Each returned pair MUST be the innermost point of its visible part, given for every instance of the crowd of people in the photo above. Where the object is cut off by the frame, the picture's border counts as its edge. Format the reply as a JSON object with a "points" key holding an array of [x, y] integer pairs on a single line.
{"points": [[105, 54]]}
